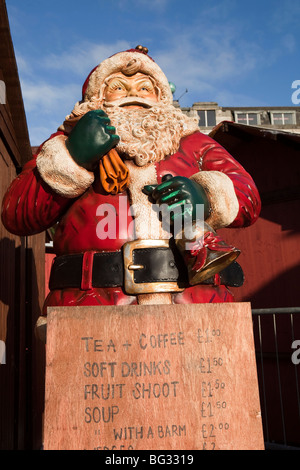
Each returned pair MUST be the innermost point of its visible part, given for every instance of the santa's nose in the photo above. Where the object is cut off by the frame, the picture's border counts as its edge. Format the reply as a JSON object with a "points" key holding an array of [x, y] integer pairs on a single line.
{"points": [[132, 92]]}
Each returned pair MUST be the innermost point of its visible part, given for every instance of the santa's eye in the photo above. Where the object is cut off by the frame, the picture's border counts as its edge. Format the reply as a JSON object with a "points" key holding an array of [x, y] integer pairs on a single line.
{"points": [[116, 85], [146, 86]]}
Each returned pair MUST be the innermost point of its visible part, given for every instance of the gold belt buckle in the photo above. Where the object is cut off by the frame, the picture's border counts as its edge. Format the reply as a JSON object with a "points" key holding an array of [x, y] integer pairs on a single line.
{"points": [[130, 286]]}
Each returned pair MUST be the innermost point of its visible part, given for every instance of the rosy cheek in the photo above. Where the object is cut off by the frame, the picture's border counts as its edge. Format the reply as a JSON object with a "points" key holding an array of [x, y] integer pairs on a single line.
{"points": [[148, 94], [112, 95], [152, 96]]}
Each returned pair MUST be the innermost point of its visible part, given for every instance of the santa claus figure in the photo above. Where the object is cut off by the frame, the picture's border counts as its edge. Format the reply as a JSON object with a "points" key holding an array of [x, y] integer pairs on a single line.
{"points": [[124, 151]]}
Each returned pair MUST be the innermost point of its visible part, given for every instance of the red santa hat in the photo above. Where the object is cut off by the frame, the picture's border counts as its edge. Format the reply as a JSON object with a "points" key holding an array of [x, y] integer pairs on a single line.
{"points": [[127, 62]]}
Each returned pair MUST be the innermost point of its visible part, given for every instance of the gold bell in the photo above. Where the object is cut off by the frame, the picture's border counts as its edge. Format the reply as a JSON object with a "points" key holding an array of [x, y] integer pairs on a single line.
{"points": [[206, 254]]}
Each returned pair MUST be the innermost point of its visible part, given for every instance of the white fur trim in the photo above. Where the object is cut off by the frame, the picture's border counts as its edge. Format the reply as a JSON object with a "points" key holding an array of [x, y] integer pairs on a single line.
{"points": [[221, 195], [157, 298], [116, 63], [147, 223], [60, 171]]}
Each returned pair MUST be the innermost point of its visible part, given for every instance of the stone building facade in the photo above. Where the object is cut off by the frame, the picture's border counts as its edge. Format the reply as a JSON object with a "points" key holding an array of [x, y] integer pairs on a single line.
{"points": [[211, 114]]}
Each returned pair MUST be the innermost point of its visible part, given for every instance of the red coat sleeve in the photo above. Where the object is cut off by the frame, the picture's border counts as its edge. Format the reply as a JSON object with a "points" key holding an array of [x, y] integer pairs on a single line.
{"points": [[29, 205], [217, 158], [213, 157]]}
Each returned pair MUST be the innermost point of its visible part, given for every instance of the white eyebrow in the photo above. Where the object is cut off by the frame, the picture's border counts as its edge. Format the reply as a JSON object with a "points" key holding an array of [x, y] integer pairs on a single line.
{"points": [[121, 79]]}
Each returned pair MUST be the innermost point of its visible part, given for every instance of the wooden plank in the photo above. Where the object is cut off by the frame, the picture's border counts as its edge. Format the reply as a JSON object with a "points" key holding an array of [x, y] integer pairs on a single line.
{"points": [[13, 88], [7, 128], [35, 296], [22, 291], [7, 135], [270, 257], [152, 377], [12, 332]]}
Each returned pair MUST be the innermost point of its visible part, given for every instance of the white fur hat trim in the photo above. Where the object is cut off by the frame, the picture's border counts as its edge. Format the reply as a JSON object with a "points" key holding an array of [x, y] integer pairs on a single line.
{"points": [[123, 61]]}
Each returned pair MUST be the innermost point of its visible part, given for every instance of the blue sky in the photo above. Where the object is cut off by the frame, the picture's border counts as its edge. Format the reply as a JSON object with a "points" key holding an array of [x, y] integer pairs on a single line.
{"points": [[237, 53]]}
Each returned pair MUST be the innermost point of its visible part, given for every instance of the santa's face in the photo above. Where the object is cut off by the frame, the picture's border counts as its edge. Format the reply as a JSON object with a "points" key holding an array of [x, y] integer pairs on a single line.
{"points": [[148, 127], [136, 91]]}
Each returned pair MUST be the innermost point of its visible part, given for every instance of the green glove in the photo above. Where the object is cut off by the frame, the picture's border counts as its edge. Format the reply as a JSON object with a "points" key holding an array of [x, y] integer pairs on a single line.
{"points": [[91, 139], [179, 192]]}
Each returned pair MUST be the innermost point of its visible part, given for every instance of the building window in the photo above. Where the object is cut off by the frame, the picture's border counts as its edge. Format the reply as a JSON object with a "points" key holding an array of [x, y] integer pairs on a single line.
{"points": [[207, 118], [283, 119], [250, 119]]}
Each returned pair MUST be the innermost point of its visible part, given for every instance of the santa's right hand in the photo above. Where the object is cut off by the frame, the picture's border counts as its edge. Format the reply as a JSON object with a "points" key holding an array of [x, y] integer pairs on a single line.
{"points": [[91, 139]]}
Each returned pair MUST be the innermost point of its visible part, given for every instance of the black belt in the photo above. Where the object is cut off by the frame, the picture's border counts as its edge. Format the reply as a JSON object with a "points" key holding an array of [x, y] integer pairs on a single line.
{"points": [[148, 265], [107, 271]]}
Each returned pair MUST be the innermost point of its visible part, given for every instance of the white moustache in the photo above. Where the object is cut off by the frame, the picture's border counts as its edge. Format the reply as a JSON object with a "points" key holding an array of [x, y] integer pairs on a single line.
{"points": [[130, 101]]}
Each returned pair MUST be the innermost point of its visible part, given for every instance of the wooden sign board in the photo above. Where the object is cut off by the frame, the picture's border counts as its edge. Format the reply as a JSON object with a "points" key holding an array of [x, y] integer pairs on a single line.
{"points": [[152, 377]]}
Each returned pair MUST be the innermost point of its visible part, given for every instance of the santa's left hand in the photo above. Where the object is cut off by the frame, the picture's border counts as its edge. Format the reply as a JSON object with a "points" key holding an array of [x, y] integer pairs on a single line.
{"points": [[180, 195]]}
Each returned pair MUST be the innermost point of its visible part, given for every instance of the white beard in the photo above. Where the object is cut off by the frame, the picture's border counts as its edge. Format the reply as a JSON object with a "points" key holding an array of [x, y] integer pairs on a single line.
{"points": [[149, 135], [146, 135]]}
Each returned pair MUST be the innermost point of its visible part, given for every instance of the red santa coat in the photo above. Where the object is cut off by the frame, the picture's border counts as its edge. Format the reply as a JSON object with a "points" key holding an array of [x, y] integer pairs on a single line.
{"points": [[31, 206]]}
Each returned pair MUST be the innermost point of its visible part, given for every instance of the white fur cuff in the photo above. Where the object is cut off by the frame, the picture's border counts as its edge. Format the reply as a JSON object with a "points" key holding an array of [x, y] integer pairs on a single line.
{"points": [[60, 171], [221, 195]]}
